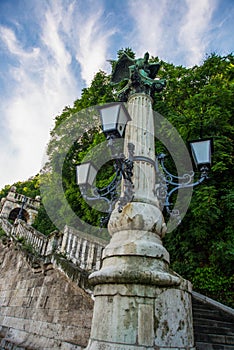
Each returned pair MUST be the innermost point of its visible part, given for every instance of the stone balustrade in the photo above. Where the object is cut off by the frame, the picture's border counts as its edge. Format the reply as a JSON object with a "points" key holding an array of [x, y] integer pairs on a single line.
{"points": [[33, 237], [30, 201], [82, 249]]}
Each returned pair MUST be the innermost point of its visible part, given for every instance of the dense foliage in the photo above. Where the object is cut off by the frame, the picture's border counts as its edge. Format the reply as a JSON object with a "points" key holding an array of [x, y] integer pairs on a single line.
{"points": [[199, 102]]}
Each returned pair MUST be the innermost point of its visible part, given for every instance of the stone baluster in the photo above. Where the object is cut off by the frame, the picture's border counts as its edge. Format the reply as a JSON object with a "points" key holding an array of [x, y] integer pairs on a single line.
{"points": [[82, 261], [90, 256], [74, 247], [78, 249], [99, 257], [64, 240], [94, 261]]}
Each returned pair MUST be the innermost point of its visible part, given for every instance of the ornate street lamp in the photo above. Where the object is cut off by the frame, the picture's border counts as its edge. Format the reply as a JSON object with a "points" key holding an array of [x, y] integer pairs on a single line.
{"points": [[145, 304], [114, 118]]}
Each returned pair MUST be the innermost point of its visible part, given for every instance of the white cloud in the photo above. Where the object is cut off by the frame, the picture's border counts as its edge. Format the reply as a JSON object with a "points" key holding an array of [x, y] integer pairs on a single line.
{"points": [[42, 79], [194, 30], [13, 45], [176, 31], [93, 38], [148, 33], [43, 83], [156, 28]]}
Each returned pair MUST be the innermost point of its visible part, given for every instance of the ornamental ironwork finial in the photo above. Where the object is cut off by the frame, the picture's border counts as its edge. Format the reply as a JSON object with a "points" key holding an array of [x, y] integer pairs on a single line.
{"points": [[139, 75]]}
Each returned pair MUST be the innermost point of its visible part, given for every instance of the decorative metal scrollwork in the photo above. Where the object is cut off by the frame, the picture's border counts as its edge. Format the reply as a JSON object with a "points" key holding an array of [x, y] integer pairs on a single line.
{"points": [[165, 180], [110, 194], [127, 172]]}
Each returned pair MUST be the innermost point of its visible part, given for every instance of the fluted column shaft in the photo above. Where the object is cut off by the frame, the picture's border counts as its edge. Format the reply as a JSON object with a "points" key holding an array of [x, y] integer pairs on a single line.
{"points": [[140, 132]]}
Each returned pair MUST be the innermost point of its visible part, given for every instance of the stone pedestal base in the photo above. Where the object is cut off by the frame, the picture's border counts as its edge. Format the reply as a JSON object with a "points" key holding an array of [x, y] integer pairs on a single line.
{"points": [[142, 317]]}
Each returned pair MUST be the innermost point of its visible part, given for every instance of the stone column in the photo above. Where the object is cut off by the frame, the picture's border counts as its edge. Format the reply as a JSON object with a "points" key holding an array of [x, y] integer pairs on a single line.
{"points": [[139, 302]]}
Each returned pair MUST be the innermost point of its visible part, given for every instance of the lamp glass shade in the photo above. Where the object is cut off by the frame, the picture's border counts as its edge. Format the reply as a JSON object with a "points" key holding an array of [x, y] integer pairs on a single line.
{"points": [[201, 152], [114, 117], [86, 173]]}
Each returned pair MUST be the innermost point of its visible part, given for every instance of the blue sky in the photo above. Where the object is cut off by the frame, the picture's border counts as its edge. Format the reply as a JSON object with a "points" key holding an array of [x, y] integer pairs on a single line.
{"points": [[51, 49]]}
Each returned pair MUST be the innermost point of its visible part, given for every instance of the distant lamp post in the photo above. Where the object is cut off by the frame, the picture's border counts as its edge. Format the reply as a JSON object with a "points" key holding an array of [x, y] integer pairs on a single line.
{"points": [[20, 215]]}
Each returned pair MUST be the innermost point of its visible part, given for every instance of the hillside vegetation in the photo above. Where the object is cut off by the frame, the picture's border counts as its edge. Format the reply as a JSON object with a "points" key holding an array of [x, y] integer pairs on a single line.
{"points": [[199, 102]]}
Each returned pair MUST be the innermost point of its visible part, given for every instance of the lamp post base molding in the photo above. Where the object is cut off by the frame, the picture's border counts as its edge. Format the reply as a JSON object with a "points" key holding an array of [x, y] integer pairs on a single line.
{"points": [[96, 345], [135, 269], [139, 317]]}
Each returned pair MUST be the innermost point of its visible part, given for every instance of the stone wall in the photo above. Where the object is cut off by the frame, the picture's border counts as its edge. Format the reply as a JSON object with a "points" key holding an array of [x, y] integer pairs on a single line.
{"points": [[40, 308], [45, 297]]}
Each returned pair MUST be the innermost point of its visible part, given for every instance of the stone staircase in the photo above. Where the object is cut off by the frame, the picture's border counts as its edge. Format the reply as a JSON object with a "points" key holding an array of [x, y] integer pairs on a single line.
{"points": [[213, 324], [213, 321]]}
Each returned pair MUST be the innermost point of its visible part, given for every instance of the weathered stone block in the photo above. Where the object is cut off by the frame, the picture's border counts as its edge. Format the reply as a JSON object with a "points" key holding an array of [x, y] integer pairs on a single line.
{"points": [[41, 312]]}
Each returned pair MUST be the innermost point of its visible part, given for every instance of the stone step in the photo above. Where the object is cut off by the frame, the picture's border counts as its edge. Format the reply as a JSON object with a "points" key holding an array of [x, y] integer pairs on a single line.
{"points": [[215, 331], [203, 310], [7, 345], [215, 338], [215, 326], [208, 346], [201, 305], [209, 314]]}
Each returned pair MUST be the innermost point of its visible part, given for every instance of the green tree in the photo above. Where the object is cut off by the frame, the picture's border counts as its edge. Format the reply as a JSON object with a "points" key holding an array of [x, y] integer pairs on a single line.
{"points": [[199, 102], [78, 127], [29, 188]]}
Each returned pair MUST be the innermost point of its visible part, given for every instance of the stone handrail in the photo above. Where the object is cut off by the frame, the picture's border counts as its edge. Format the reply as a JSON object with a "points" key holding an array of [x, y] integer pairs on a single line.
{"points": [[21, 198], [206, 300], [82, 249], [35, 238]]}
